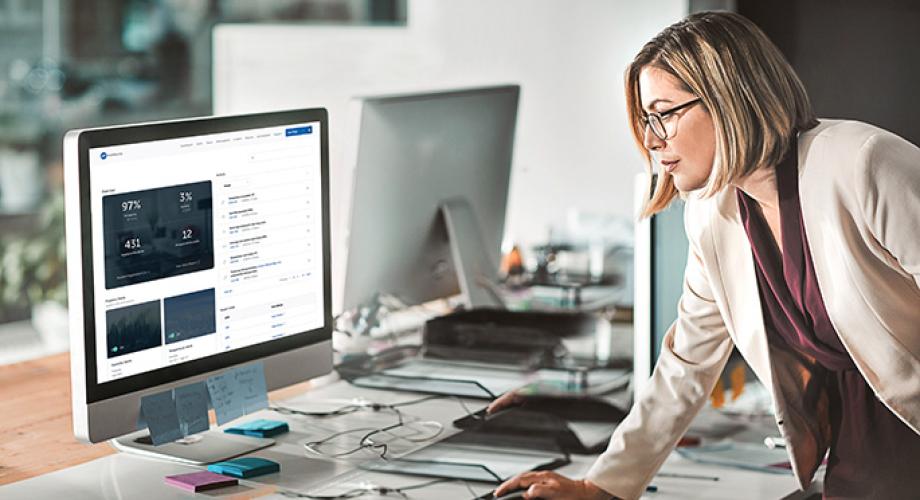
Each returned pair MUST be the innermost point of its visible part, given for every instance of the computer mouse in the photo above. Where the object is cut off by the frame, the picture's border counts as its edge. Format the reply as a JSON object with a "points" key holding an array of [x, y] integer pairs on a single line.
{"points": [[513, 495]]}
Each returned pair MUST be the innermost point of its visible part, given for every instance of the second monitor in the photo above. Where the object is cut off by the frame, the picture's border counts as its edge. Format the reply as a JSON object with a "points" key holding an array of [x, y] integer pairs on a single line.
{"points": [[430, 190]]}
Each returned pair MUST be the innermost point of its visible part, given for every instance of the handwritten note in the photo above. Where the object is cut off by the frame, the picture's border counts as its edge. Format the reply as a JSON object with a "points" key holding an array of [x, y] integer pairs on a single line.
{"points": [[251, 381], [159, 410], [225, 398], [192, 408], [237, 392]]}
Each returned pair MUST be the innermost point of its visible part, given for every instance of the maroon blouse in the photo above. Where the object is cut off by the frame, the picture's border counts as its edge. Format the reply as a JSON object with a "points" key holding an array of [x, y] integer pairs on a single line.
{"points": [[872, 453]]}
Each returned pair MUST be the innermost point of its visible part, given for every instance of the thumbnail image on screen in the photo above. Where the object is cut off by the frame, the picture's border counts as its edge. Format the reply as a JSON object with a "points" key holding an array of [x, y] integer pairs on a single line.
{"points": [[133, 328], [190, 315], [157, 233]]}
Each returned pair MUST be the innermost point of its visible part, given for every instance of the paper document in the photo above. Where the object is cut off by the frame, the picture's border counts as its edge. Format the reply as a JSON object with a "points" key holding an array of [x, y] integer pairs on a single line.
{"points": [[498, 381], [480, 380], [567, 382], [470, 462], [742, 455], [592, 434], [453, 388]]}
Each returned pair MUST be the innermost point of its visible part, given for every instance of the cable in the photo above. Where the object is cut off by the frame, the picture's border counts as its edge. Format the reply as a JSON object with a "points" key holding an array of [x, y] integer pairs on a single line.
{"points": [[354, 407], [469, 413], [375, 490], [311, 445], [344, 410], [366, 443]]}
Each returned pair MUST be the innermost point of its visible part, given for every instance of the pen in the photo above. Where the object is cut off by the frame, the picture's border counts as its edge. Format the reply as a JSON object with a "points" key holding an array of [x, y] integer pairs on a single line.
{"points": [[687, 476], [775, 442]]}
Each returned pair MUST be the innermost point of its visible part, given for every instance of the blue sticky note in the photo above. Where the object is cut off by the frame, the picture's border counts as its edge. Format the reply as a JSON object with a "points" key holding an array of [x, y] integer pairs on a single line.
{"points": [[245, 467], [237, 392], [260, 428], [192, 408], [251, 381], [225, 397], [159, 411]]}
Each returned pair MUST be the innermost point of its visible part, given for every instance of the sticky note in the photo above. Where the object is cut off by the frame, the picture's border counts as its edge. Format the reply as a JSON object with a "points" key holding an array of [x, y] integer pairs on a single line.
{"points": [[200, 481], [237, 392], [159, 410], [262, 428], [251, 381], [225, 397], [192, 408], [245, 467]]}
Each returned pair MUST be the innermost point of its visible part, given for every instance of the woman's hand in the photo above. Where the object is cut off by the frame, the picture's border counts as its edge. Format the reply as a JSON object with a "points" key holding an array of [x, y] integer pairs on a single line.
{"points": [[549, 485], [507, 400]]}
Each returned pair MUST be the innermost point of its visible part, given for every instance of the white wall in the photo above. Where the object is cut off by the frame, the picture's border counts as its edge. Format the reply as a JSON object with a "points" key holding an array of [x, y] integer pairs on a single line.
{"points": [[573, 148]]}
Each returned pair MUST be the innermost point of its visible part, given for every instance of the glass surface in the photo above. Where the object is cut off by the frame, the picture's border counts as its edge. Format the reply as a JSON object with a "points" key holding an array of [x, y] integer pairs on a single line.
{"points": [[66, 65]]}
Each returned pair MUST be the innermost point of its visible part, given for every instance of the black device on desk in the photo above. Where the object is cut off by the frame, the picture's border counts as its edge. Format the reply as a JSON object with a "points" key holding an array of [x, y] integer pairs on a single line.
{"points": [[543, 422], [514, 495], [528, 339]]}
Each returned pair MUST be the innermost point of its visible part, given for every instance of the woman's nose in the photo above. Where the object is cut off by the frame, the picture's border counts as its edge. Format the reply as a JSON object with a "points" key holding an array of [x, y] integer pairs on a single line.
{"points": [[651, 141]]}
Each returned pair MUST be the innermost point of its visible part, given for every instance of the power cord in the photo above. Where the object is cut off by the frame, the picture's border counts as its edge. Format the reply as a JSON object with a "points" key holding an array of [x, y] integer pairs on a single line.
{"points": [[376, 490], [366, 442], [363, 405]]}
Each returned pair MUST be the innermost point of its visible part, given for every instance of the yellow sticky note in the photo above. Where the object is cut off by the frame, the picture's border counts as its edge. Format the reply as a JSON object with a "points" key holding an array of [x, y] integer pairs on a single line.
{"points": [[718, 395]]}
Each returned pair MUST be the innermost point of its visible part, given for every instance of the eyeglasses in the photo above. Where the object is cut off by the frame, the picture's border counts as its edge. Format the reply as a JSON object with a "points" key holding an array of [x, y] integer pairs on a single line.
{"points": [[656, 121]]}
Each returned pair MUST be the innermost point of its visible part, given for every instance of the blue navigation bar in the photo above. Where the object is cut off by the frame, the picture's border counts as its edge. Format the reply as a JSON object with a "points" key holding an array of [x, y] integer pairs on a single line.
{"points": [[298, 131]]}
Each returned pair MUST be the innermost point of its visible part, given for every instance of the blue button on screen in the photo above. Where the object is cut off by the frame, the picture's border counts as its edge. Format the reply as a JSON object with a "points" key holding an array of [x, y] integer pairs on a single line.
{"points": [[298, 131]]}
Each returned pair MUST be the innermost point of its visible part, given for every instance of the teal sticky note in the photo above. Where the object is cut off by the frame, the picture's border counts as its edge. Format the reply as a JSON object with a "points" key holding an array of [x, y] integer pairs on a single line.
{"points": [[245, 467], [251, 382], [225, 397], [159, 410], [192, 408], [260, 428]]}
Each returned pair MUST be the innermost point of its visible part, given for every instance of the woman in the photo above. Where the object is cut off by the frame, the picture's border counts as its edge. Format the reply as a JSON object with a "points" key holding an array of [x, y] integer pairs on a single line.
{"points": [[804, 255]]}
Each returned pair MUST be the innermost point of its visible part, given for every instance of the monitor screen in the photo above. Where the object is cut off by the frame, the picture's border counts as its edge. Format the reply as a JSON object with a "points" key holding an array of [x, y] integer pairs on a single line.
{"points": [[661, 249], [416, 154], [668, 260], [204, 244]]}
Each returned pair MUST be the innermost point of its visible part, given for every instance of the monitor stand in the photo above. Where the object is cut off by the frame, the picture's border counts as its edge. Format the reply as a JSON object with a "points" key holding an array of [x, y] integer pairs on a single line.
{"points": [[476, 271], [197, 449]]}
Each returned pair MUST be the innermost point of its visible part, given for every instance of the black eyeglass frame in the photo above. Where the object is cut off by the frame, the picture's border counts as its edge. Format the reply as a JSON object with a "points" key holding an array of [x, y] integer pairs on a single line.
{"points": [[659, 117]]}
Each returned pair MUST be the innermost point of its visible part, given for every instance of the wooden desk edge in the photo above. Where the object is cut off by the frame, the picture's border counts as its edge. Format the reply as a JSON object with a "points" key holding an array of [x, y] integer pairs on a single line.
{"points": [[36, 433]]}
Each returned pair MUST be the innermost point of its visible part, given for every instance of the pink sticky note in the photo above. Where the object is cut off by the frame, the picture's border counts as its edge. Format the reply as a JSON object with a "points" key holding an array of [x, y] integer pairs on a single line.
{"points": [[200, 481]]}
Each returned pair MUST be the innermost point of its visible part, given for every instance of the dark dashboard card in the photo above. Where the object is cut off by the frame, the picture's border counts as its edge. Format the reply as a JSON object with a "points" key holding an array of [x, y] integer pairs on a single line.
{"points": [[189, 316], [157, 233], [133, 328]]}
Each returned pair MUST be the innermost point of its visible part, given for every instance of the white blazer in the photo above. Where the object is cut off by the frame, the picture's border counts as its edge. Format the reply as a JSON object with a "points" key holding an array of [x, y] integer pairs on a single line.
{"points": [[860, 195]]}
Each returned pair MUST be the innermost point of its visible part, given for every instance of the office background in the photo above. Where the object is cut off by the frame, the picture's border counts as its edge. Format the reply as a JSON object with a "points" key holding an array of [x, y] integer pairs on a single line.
{"points": [[110, 62]]}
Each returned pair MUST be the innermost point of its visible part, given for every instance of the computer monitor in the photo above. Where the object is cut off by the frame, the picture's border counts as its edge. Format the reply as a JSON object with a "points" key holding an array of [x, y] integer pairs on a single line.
{"points": [[661, 250], [194, 246], [430, 190]]}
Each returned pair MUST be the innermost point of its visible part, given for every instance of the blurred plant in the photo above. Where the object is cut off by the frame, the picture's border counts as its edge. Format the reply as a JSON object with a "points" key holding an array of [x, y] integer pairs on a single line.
{"points": [[33, 268]]}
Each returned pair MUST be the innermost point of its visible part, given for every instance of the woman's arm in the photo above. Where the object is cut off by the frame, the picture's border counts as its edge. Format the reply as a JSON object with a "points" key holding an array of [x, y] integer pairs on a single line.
{"points": [[889, 192], [693, 354]]}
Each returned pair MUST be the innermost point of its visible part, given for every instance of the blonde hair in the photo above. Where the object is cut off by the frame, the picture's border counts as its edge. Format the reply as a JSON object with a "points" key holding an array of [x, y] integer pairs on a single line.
{"points": [[756, 101]]}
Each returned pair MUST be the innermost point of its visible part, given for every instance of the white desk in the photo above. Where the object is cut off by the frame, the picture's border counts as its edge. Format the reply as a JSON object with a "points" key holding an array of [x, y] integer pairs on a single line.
{"points": [[127, 476]]}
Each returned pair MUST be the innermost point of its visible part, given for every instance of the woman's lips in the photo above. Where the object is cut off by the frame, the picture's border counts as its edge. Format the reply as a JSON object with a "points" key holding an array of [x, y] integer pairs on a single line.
{"points": [[669, 166]]}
